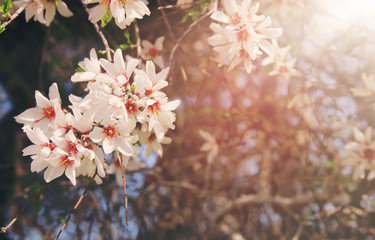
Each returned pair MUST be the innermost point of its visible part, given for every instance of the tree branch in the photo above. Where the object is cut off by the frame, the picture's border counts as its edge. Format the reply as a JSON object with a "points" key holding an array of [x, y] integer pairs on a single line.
{"points": [[190, 28], [15, 14], [4, 229], [76, 206], [101, 35], [124, 186], [172, 36]]}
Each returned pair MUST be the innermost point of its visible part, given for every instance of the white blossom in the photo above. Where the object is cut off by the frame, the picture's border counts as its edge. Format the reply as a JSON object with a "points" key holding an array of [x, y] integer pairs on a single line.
{"points": [[152, 51], [242, 35], [44, 11], [361, 154], [124, 12], [211, 145]]}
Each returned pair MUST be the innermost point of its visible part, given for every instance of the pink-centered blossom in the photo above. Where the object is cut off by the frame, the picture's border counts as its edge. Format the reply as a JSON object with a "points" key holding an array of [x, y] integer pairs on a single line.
{"points": [[44, 114], [44, 11], [124, 11], [153, 51], [361, 154], [211, 145], [241, 35]]}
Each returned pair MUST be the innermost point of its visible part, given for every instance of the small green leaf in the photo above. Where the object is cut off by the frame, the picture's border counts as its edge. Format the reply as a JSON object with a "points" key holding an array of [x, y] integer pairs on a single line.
{"points": [[330, 164], [184, 19], [106, 18], [7, 5], [79, 69], [61, 218], [127, 36], [123, 46], [2, 30], [25, 196]]}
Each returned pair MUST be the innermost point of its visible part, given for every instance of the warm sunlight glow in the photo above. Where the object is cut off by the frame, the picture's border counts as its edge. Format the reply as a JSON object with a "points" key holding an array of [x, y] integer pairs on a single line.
{"points": [[351, 10]]}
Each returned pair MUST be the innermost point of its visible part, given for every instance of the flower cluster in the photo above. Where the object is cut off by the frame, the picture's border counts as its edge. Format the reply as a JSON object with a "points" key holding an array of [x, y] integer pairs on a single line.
{"points": [[242, 33], [44, 11], [124, 11], [281, 66], [121, 110]]}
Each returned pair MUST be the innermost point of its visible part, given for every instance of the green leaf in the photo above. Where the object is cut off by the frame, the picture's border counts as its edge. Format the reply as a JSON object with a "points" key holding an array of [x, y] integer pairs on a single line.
{"points": [[61, 218], [7, 5], [330, 164], [79, 69], [106, 18], [184, 19], [25, 196], [123, 46], [2, 30], [127, 36]]}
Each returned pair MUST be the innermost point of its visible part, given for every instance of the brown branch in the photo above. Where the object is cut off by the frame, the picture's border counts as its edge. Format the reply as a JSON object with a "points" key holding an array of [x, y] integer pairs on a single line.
{"points": [[101, 35], [256, 199], [264, 176], [298, 232], [190, 28], [124, 186], [4, 229], [15, 14], [172, 36], [75, 206], [78, 202], [138, 39]]}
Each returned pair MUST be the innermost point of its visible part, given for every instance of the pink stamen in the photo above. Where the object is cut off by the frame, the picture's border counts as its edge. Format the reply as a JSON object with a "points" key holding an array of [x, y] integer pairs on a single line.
{"points": [[131, 107], [153, 52], [152, 137], [155, 107], [244, 54], [66, 162], [106, 2], [72, 147], [243, 35], [368, 154], [110, 131], [148, 92], [283, 69], [49, 113], [236, 19]]}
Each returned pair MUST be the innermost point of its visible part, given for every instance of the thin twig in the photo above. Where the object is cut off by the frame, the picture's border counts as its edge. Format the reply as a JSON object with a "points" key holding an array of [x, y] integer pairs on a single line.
{"points": [[4, 229], [190, 28], [75, 206], [298, 232], [138, 39], [101, 35], [264, 176], [172, 36], [124, 186], [15, 14]]}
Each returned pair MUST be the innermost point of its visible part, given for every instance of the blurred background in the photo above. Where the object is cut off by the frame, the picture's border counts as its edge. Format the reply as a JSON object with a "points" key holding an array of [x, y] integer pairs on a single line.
{"points": [[280, 138]]}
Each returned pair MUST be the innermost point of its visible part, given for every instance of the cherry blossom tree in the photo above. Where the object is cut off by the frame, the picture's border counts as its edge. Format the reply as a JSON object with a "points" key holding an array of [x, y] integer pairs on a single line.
{"points": [[214, 119]]}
